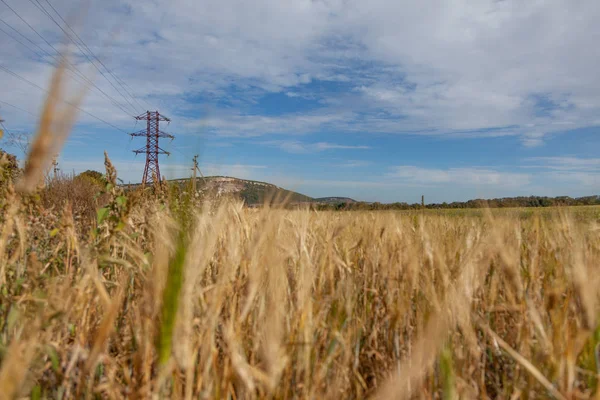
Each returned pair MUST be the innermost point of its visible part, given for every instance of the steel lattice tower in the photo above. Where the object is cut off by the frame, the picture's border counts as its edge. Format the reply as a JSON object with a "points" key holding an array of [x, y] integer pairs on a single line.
{"points": [[152, 149]]}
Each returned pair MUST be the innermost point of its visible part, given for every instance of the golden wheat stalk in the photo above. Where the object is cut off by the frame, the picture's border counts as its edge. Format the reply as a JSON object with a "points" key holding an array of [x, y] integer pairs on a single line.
{"points": [[56, 121]]}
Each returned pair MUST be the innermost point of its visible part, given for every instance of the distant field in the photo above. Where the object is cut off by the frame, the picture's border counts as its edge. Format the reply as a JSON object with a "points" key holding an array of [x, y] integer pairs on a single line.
{"points": [[522, 212]]}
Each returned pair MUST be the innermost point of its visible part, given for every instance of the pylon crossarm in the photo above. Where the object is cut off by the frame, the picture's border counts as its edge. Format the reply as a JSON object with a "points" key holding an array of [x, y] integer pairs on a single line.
{"points": [[139, 133], [144, 116], [165, 135], [161, 151]]}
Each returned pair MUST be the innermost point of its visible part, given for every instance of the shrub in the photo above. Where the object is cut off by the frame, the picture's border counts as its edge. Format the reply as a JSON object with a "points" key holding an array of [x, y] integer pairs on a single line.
{"points": [[80, 192], [9, 168], [94, 177]]}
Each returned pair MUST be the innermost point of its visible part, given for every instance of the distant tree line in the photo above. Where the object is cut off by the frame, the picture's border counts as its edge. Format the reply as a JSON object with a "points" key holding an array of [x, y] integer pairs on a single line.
{"points": [[523, 201]]}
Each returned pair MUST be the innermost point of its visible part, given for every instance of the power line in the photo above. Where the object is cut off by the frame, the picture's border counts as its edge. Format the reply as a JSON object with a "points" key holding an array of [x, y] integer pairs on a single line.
{"points": [[180, 152], [14, 139], [44, 11], [29, 25], [82, 51], [21, 78], [132, 93], [46, 91], [117, 79], [4, 127], [71, 67], [38, 7], [18, 108], [16, 39], [26, 38]]}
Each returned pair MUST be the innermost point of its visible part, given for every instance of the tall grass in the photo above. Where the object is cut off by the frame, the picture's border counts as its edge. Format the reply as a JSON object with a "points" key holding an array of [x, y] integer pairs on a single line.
{"points": [[299, 304], [161, 295]]}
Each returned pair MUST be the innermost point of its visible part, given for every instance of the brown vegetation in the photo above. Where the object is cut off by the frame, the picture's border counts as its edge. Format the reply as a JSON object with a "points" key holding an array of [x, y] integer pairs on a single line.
{"points": [[177, 298], [80, 193]]}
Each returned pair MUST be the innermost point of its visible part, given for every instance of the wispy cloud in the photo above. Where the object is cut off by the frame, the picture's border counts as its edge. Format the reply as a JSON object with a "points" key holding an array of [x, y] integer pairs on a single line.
{"points": [[564, 163], [532, 139], [476, 69], [293, 146], [353, 164], [258, 125], [330, 146], [587, 179], [568, 170], [458, 176]]}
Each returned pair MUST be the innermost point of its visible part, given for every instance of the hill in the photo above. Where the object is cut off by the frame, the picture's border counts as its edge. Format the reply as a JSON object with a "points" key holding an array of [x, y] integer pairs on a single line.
{"points": [[252, 192], [255, 192]]}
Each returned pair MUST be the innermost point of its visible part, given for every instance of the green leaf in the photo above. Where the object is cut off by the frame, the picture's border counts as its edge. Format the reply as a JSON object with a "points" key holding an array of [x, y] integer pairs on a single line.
{"points": [[54, 232], [120, 226], [13, 315], [53, 358], [100, 370], [171, 301], [101, 214], [36, 392], [121, 200], [448, 375]]}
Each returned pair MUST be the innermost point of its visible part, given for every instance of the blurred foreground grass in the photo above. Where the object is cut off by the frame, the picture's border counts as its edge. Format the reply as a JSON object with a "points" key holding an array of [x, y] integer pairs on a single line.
{"points": [[168, 296]]}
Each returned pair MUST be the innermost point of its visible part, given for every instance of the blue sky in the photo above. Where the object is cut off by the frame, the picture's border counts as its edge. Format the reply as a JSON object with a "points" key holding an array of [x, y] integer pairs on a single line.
{"points": [[379, 100]]}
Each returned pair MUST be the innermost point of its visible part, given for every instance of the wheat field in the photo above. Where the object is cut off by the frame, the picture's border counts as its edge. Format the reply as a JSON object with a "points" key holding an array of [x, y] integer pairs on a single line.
{"points": [[165, 298], [160, 295]]}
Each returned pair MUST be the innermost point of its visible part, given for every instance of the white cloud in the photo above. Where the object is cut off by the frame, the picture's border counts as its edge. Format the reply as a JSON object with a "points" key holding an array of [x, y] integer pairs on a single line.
{"points": [[458, 176], [532, 140], [292, 146], [565, 163], [586, 179], [568, 170], [329, 146], [354, 164], [257, 125], [458, 67], [476, 64]]}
